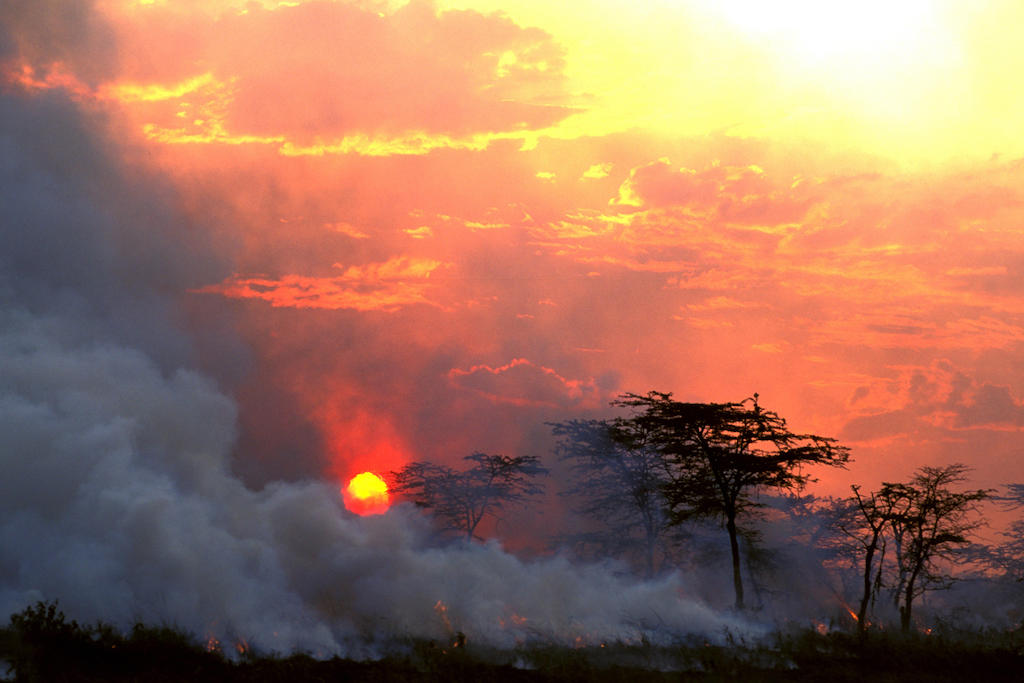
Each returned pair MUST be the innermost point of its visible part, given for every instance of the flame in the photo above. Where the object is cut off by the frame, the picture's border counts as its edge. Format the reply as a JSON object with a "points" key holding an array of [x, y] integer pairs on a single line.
{"points": [[514, 620], [459, 636], [442, 611], [366, 494], [849, 610]]}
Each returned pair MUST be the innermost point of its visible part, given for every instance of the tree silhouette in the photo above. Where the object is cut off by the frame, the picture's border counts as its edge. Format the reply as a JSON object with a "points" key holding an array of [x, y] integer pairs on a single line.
{"points": [[719, 455], [933, 521], [617, 479], [460, 499], [864, 518], [1008, 558]]}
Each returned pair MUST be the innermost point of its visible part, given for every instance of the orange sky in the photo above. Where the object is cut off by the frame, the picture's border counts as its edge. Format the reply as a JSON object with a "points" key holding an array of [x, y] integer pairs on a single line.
{"points": [[450, 222]]}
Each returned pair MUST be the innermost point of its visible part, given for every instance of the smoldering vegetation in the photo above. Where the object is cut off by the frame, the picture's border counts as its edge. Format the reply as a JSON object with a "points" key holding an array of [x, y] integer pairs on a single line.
{"points": [[41, 644]]}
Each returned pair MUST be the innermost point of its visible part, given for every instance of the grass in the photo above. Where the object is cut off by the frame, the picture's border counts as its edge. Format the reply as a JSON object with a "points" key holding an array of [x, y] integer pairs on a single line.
{"points": [[41, 644]]}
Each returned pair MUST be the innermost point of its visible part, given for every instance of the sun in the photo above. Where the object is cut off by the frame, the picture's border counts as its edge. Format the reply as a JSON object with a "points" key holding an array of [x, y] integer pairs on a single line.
{"points": [[366, 494]]}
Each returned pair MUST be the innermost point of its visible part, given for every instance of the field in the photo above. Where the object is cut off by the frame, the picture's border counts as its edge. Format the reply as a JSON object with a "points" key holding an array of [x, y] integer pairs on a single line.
{"points": [[40, 644]]}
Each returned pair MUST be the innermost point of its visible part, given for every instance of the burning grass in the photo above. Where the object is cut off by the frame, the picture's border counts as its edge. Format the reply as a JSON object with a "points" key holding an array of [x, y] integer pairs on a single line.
{"points": [[40, 644]]}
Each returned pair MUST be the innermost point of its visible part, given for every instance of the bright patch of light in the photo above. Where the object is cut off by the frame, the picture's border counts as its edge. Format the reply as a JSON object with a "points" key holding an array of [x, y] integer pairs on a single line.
{"points": [[367, 494], [825, 28]]}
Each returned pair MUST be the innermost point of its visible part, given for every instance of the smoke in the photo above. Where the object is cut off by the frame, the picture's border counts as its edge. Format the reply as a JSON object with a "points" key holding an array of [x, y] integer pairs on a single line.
{"points": [[117, 495], [51, 32]]}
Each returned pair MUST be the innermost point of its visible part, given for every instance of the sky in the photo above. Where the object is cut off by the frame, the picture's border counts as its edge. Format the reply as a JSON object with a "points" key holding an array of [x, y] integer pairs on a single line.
{"points": [[390, 231]]}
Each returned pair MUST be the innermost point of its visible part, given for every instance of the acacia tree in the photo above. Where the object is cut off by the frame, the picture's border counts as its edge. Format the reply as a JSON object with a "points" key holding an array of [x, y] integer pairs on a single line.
{"points": [[934, 521], [864, 518], [617, 480], [460, 499], [717, 456]]}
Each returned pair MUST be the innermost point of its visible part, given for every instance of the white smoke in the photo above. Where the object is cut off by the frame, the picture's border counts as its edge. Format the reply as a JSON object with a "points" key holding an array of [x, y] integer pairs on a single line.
{"points": [[117, 499]]}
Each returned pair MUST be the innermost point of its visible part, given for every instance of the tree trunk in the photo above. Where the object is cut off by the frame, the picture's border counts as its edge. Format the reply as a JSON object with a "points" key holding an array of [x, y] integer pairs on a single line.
{"points": [[650, 555], [737, 578], [908, 604], [901, 582], [865, 600]]}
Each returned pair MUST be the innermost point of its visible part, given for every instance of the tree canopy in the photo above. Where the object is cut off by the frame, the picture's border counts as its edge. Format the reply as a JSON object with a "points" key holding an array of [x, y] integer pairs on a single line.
{"points": [[718, 456], [460, 499], [924, 521], [933, 521], [864, 519], [617, 479]]}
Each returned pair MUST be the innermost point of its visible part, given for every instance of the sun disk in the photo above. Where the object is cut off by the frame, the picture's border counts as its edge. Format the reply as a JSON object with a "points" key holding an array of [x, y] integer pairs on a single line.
{"points": [[366, 494]]}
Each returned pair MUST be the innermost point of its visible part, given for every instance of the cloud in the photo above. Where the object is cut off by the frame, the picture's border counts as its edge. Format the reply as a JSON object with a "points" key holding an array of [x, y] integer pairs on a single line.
{"points": [[56, 35], [348, 229], [385, 286], [714, 279], [736, 194], [342, 78], [420, 233], [991, 406], [522, 382], [596, 171], [866, 428], [934, 401], [721, 303]]}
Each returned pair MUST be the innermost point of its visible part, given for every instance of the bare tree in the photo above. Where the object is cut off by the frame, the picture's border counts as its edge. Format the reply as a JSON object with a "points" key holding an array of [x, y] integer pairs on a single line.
{"points": [[618, 478], [460, 499], [934, 520], [864, 518], [719, 455]]}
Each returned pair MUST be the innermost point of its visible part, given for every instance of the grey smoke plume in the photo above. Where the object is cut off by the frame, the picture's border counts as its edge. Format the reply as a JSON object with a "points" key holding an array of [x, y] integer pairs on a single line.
{"points": [[43, 32], [116, 494]]}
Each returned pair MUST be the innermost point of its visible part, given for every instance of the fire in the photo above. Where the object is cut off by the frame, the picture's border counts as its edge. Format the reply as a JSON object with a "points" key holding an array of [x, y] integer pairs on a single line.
{"points": [[442, 611], [849, 610], [366, 494], [459, 636], [513, 621]]}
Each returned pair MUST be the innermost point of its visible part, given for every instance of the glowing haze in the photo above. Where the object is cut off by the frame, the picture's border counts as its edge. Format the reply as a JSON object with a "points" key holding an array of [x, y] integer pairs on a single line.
{"points": [[357, 234]]}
